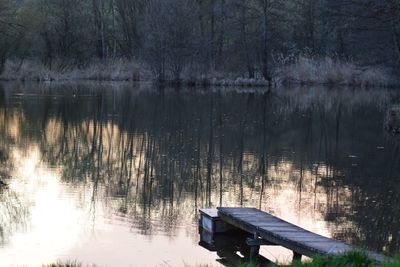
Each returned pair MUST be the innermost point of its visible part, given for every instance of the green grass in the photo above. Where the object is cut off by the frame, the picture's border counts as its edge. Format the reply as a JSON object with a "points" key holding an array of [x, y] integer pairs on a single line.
{"points": [[351, 259], [67, 264], [394, 263]]}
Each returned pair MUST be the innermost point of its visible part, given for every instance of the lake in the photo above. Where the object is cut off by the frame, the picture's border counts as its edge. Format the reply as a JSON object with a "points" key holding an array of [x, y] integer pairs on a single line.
{"points": [[114, 174]]}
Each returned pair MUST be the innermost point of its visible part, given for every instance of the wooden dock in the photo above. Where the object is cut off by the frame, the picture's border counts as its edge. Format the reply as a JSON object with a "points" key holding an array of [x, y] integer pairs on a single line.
{"points": [[267, 229]]}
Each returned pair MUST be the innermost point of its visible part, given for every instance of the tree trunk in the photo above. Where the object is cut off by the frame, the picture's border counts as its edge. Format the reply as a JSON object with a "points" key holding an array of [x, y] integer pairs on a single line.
{"points": [[265, 67], [249, 64], [114, 48], [219, 53], [251, 71], [212, 36], [99, 27], [2, 63], [395, 29], [48, 55]]}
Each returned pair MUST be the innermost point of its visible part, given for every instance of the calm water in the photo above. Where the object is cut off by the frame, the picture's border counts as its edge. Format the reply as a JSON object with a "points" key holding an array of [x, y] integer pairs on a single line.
{"points": [[115, 175]]}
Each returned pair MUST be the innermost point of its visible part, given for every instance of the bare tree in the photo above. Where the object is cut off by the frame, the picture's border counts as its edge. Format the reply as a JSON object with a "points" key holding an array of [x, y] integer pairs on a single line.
{"points": [[9, 30], [129, 15], [169, 36]]}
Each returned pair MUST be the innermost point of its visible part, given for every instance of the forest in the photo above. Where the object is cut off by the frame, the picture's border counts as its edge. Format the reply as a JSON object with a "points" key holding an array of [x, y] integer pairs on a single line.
{"points": [[351, 42]]}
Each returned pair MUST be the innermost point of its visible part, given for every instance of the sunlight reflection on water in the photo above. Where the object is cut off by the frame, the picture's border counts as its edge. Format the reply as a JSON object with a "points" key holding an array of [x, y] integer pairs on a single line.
{"points": [[116, 178]]}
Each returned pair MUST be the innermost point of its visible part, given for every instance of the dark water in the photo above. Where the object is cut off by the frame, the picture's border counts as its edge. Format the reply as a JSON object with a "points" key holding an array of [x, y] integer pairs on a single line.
{"points": [[114, 175]]}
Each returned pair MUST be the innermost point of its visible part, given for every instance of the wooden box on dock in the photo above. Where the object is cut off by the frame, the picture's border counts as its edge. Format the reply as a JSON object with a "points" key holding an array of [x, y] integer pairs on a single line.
{"points": [[210, 221]]}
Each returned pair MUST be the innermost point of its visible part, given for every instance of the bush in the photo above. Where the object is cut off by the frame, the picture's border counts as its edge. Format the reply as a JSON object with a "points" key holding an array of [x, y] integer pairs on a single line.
{"points": [[330, 71], [350, 259], [112, 70]]}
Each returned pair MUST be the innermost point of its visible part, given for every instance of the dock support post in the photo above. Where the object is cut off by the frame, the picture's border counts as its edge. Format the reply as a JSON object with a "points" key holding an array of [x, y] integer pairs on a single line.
{"points": [[255, 249], [296, 256]]}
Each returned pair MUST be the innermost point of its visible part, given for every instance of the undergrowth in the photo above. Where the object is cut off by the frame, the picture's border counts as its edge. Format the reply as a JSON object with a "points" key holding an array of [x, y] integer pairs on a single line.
{"points": [[351, 259], [301, 70], [309, 70]]}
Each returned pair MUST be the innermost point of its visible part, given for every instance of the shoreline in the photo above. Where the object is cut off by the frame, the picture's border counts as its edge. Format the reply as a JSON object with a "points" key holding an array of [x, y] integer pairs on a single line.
{"points": [[302, 72], [201, 84]]}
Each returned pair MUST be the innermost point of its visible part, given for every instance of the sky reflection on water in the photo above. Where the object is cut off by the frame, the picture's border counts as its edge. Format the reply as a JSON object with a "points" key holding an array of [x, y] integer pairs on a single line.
{"points": [[115, 176]]}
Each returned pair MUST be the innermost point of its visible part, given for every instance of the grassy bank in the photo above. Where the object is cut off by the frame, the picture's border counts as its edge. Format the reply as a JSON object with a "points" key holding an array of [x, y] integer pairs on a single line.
{"points": [[67, 264], [351, 259], [299, 71], [356, 259]]}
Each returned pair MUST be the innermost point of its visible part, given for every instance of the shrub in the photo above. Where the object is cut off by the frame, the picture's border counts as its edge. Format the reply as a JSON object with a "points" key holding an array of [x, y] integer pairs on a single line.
{"points": [[331, 71], [112, 70]]}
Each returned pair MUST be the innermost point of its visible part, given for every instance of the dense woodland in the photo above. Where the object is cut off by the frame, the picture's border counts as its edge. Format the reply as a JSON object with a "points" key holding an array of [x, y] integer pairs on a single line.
{"points": [[173, 37]]}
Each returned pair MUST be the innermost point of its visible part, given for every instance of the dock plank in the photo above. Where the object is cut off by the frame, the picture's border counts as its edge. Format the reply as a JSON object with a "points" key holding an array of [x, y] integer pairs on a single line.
{"points": [[283, 233]]}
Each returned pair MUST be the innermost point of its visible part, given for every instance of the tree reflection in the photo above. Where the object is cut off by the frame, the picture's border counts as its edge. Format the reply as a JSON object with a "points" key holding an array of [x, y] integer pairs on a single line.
{"points": [[158, 155], [13, 213]]}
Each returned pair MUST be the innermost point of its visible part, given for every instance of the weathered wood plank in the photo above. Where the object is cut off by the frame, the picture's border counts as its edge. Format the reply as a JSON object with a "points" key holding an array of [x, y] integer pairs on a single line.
{"points": [[280, 228], [213, 213], [277, 231], [258, 242]]}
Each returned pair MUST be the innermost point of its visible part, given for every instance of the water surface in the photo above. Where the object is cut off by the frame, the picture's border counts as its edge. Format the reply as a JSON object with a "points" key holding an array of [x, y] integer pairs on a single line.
{"points": [[115, 175]]}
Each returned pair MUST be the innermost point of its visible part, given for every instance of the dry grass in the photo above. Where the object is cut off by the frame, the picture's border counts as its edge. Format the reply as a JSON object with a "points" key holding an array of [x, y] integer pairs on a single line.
{"points": [[116, 70], [224, 82], [242, 82], [68, 264], [329, 71], [304, 70], [27, 70], [113, 70]]}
